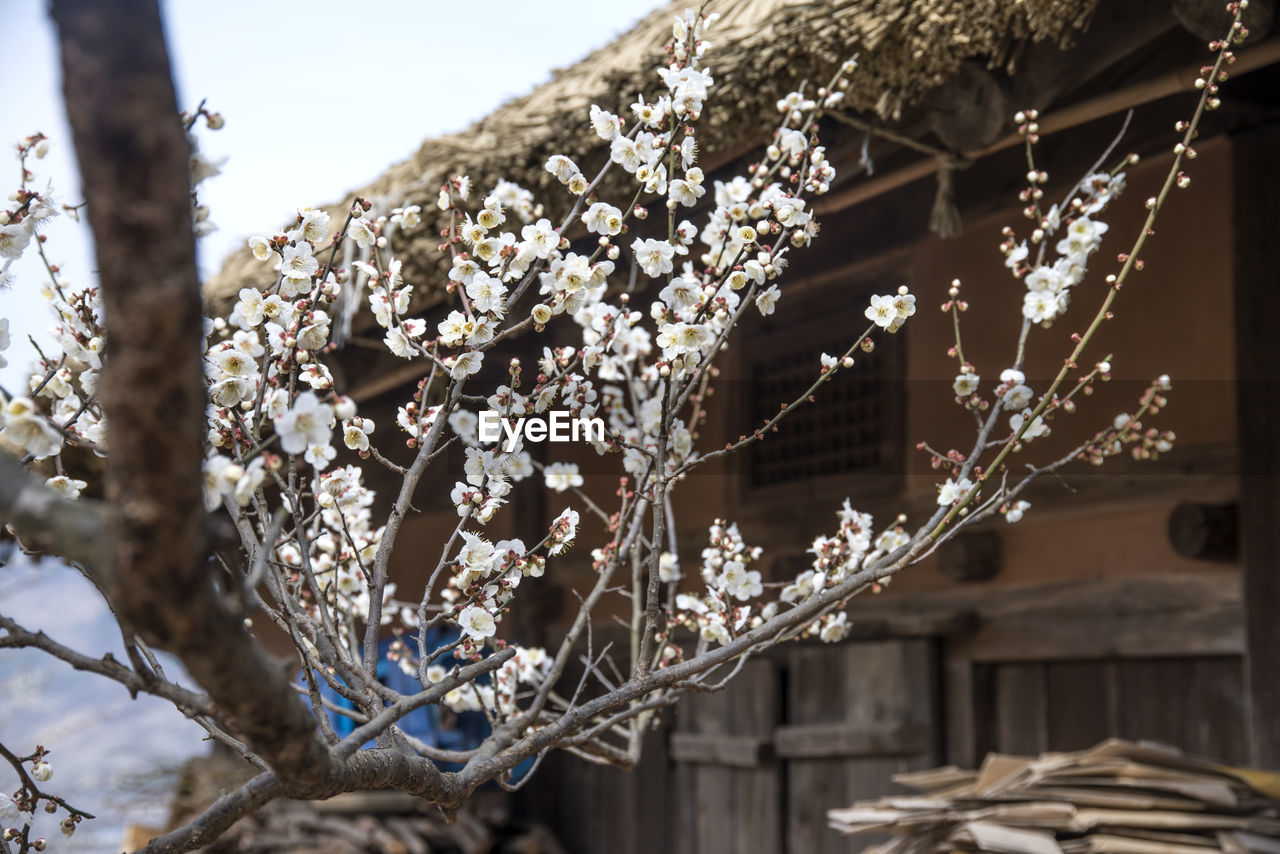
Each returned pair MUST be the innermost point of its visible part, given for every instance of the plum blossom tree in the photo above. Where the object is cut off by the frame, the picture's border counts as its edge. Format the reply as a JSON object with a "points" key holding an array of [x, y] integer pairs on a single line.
{"points": [[237, 419]]}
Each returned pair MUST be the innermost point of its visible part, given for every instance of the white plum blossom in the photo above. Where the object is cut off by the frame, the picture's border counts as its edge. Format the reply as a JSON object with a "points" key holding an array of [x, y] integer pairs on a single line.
{"points": [[356, 432], [882, 311], [767, 300], [669, 568], [653, 256], [26, 427], [1018, 398], [564, 531], [8, 810], [487, 294], [466, 364], [1035, 429], [297, 267], [604, 123], [476, 623], [1014, 512], [304, 425], [602, 218], [835, 628], [361, 232], [966, 384], [954, 490], [739, 582], [1084, 235], [561, 167], [66, 486], [14, 239], [562, 476], [1041, 306]]}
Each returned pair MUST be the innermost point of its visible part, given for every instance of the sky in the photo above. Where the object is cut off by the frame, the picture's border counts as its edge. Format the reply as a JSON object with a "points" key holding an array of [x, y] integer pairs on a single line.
{"points": [[318, 99]]}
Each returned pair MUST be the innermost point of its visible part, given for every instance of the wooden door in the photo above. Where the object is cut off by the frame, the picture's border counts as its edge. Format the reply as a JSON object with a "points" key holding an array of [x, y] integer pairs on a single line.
{"points": [[857, 713], [726, 782], [1194, 703]]}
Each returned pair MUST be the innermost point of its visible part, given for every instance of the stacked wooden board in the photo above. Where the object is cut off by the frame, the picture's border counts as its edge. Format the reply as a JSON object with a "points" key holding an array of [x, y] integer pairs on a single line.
{"points": [[1119, 797]]}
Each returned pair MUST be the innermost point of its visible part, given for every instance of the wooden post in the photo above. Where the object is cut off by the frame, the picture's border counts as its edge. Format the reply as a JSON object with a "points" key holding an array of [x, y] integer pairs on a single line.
{"points": [[1257, 305]]}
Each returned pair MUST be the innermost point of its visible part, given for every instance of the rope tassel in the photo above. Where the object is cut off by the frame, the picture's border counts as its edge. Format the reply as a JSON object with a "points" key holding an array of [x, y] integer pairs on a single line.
{"points": [[944, 220]]}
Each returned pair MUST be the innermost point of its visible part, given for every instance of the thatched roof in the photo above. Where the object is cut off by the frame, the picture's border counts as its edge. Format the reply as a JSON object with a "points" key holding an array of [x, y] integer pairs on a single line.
{"points": [[760, 50]]}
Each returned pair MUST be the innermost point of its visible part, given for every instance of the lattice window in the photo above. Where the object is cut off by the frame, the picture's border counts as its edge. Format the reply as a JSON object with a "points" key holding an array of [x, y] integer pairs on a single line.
{"points": [[854, 426]]}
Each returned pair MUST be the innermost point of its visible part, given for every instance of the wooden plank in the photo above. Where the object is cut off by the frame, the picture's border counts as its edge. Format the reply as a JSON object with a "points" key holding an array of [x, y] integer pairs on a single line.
{"points": [[1080, 705], [798, 741], [1218, 686], [1172, 615], [815, 688], [1121, 617], [870, 687], [757, 793], [1257, 304], [683, 787], [727, 792], [1021, 718], [907, 625], [1153, 701], [711, 784], [900, 682], [738, 751], [961, 713], [654, 790], [1193, 704], [1205, 631]]}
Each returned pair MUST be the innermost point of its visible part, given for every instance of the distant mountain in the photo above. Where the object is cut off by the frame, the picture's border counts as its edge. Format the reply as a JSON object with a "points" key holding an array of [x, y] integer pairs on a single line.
{"points": [[112, 756]]}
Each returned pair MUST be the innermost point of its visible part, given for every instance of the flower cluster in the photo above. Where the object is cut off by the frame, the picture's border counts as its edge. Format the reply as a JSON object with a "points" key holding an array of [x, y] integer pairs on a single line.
{"points": [[60, 404], [643, 305], [1073, 221]]}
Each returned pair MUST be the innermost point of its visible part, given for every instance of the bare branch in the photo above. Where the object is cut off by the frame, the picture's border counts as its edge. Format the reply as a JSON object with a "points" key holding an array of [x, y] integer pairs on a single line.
{"points": [[73, 529]]}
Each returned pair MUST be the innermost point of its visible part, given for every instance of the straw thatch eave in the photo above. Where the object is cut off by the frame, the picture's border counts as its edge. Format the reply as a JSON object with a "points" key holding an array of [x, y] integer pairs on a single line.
{"points": [[760, 50]]}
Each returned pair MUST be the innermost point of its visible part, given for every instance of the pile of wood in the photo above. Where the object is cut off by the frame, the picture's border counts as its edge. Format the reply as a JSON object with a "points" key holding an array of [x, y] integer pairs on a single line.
{"points": [[1117, 797], [382, 822]]}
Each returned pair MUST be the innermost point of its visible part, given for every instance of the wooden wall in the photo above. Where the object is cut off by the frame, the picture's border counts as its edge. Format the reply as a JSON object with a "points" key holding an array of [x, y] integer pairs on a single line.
{"points": [[928, 678]]}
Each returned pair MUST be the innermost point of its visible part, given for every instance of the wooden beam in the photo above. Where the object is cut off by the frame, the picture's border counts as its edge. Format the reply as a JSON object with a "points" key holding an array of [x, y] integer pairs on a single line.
{"points": [[1146, 616], [735, 751], [1257, 305], [1116, 101], [843, 740], [1211, 630]]}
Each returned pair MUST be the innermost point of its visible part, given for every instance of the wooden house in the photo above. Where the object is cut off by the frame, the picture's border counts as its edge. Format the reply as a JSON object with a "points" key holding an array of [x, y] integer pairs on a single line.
{"points": [[1140, 599]]}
